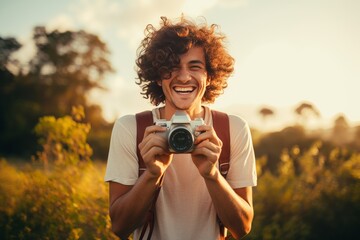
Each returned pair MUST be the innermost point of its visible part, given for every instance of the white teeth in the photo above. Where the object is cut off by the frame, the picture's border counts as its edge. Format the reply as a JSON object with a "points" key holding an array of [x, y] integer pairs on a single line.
{"points": [[183, 89]]}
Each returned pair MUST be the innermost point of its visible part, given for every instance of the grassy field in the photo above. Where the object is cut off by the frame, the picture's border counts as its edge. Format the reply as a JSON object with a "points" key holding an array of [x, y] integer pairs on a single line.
{"points": [[308, 188], [311, 197], [63, 202]]}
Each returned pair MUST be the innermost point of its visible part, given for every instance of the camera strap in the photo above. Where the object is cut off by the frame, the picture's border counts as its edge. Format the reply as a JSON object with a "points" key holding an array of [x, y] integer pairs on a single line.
{"points": [[222, 129]]}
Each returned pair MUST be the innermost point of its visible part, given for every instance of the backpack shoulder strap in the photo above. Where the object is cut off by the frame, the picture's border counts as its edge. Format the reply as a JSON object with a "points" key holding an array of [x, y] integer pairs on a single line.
{"points": [[222, 129], [143, 120]]}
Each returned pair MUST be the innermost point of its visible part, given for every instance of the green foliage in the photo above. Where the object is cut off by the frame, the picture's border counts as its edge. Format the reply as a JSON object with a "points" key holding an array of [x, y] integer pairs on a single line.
{"points": [[313, 196], [66, 67], [18, 110], [64, 139], [68, 202], [272, 144], [312, 192]]}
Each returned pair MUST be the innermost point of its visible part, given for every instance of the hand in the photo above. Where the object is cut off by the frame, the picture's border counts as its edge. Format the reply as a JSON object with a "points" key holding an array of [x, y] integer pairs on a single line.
{"points": [[154, 151], [207, 151]]}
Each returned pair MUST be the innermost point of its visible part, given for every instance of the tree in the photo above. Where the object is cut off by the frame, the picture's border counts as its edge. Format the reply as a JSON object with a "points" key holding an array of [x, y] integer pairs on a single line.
{"points": [[66, 67], [306, 110], [271, 145], [340, 132], [265, 113], [14, 111], [7, 46]]}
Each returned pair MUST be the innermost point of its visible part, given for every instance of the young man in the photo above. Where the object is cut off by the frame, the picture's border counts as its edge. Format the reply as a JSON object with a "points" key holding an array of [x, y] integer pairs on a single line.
{"points": [[182, 65]]}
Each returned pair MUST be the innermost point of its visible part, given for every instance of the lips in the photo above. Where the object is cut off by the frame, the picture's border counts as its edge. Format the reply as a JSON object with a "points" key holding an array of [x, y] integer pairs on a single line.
{"points": [[184, 89]]}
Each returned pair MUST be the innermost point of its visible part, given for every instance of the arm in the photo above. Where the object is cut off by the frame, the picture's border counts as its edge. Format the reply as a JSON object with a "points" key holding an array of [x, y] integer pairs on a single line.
{"points": [[129, 205], [233, 206]]}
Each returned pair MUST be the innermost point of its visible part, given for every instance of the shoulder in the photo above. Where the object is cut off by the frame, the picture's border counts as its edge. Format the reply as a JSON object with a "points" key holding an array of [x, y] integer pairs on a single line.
{"points": [[125, 124], [126, 120], [238, 122], [239, 128]]}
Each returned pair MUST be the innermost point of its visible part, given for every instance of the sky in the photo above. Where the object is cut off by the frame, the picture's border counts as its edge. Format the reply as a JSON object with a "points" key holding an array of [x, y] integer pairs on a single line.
{"points": [[286, 51]]}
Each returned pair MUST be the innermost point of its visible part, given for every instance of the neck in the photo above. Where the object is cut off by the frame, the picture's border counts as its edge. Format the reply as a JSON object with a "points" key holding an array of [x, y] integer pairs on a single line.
{"points": [[168, 112]]}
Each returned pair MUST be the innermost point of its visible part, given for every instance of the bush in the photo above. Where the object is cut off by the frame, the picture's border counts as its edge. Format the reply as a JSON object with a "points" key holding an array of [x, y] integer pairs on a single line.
{"points": [[64, 203], [64, 140], [313, 196], [65, 200], [313, 193]]}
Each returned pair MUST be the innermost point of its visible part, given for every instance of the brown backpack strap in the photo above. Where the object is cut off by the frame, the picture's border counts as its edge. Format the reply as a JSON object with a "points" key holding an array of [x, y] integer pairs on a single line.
{"points": [[143, 120], [222, 129]]}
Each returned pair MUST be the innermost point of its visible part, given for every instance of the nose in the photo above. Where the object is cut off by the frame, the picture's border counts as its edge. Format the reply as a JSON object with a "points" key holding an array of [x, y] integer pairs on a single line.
{"points": [[183, 74]]}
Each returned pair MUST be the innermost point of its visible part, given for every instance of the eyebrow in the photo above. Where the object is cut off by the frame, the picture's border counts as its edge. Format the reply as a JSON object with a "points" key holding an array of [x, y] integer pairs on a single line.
{"points": [[196, 62]]}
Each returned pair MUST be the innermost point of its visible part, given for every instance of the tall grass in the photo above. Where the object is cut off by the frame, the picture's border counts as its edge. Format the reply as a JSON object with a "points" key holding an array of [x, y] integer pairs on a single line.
{"points": [[313, 194], [62, 194], [66, 202]]}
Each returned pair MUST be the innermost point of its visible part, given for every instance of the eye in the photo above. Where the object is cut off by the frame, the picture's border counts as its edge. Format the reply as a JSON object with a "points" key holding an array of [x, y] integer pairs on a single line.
{"points": [[196, 67]]}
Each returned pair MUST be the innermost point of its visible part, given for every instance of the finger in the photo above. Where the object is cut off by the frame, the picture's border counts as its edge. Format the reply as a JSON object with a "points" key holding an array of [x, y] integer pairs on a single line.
{"points": [[213, 156], [152, 140], [209, 146], [203, 128], [153, 129], [209, 134], [151, 153]]}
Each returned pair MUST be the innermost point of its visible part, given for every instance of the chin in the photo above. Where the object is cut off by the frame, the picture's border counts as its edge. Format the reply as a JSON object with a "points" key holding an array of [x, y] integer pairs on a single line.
{"points": [[182, 108]]}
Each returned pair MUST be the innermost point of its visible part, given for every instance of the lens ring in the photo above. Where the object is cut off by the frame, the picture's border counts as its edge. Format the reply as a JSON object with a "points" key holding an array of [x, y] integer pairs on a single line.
{"points": [[181, 139]]}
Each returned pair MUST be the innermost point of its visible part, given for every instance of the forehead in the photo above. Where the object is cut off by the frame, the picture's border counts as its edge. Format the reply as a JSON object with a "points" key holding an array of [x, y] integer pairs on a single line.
{"points": [[193, 54]]}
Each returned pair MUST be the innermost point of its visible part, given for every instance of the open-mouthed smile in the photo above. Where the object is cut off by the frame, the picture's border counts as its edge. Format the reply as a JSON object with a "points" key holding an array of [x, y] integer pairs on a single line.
{"points": [[184, 90]]}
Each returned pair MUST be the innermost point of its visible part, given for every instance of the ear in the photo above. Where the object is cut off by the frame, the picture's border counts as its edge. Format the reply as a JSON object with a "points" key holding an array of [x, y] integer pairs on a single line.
{"points": [[208, 81], [159, 82]]}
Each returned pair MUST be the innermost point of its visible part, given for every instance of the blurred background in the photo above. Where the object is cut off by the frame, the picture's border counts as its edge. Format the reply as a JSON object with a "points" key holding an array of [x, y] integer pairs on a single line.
{"points": [[67, 73]]}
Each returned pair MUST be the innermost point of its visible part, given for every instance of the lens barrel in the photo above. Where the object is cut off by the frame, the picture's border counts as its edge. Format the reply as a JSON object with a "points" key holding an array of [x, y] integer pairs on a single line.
{"points": [[181, 139]]}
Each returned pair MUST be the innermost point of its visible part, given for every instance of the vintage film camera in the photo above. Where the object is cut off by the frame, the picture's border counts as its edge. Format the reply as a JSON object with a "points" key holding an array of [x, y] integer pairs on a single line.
{"points": [[180, 132]]}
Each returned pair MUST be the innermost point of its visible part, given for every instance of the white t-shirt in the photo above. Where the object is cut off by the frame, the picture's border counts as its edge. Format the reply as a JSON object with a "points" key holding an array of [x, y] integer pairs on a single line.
{"points": [[184, 208]]}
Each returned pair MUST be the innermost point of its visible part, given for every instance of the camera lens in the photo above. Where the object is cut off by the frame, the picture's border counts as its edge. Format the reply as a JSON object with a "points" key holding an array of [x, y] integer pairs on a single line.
{"points": [[181, 139]]}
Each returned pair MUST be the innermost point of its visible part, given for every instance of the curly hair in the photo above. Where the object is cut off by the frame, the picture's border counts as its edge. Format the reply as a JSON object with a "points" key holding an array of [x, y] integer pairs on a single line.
{"points": [[160, 52]]}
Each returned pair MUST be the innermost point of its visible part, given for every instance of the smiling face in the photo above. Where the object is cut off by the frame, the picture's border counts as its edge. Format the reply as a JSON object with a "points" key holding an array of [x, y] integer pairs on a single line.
{"points": [[187, 84]]}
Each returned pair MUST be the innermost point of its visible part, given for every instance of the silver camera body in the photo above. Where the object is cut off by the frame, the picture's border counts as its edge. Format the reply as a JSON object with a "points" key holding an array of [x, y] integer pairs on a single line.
{"points": [[180, 133]]}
